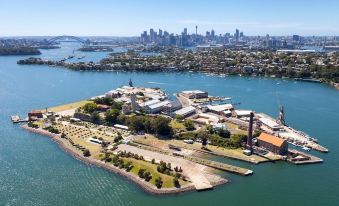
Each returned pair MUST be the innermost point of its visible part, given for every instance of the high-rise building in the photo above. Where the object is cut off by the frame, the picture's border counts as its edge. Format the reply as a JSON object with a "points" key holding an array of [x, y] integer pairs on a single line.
{"points": [[151, 34], [185, 31], [212, 33], [236, 35], [160, 33], [296, 38]]}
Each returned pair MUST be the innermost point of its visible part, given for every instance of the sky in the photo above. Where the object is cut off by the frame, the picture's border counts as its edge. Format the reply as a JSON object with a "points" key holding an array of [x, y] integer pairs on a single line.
{"points": [[132, 17]]}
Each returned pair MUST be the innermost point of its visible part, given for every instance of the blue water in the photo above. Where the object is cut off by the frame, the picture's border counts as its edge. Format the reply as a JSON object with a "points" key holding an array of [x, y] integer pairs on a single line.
{"points": [[34, 171]]}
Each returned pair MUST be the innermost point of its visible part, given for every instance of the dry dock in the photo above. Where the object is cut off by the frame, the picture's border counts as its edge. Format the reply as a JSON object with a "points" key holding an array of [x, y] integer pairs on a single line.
{"points": [[303, 158]]}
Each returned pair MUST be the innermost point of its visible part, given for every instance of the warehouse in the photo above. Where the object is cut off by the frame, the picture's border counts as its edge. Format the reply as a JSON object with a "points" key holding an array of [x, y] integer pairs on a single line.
{"points": [[186, 111], [272, 143]]}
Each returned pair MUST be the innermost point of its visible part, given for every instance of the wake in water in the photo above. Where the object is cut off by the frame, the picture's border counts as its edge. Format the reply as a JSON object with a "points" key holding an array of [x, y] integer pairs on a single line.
{"points": [[156, 83]]}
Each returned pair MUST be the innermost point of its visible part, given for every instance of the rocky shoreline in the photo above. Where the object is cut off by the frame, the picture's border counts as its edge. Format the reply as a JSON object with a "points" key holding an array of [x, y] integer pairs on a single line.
{"points": [[91, 161]]}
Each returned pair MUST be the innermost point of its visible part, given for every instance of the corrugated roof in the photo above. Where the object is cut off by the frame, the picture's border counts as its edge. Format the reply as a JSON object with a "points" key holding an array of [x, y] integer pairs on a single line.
{"points": [[271, 139]]}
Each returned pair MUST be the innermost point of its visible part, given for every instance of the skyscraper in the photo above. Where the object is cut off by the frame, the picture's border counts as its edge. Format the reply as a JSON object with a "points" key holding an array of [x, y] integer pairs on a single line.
{"points": [[185, 31], [236, 35], [151, 34]]}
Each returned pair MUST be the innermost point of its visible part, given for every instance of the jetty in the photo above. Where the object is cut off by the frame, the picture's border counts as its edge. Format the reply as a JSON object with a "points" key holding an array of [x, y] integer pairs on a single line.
{"points": [[17, 119]]}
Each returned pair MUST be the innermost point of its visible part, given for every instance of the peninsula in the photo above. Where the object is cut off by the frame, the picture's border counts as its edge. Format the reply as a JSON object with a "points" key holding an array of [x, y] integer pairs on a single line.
{"points": [[296, 64]]}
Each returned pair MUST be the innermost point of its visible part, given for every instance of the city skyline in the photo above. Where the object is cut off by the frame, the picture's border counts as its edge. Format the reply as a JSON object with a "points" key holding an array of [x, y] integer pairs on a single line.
{"points": [[129, 18]]}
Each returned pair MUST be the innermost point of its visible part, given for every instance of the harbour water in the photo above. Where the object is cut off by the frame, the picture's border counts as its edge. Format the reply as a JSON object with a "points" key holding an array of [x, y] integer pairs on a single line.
{"points": [[34, 171]]}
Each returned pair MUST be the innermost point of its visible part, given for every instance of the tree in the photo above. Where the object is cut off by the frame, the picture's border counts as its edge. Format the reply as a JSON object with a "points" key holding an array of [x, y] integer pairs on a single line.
{"points": [[111, 116], [176, 182], [189, 125], [161, 125], [204, 139], [179, 117], [90, 107], [158, 182], [95, 117], [86, 153], [118, 138], [141, 173], [104, 100], [223, 133]]}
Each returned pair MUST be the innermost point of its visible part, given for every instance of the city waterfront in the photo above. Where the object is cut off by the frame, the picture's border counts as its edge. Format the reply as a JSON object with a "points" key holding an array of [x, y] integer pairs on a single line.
{"points": [[36, 172]]}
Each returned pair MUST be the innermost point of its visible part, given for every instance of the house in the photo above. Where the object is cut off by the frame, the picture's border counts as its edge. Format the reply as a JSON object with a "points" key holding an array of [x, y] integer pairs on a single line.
{"points": [[272, 143]]}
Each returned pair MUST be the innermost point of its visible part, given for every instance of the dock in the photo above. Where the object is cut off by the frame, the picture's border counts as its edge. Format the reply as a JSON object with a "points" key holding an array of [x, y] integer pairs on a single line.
{"points": [[303, 158], [17, 119]]}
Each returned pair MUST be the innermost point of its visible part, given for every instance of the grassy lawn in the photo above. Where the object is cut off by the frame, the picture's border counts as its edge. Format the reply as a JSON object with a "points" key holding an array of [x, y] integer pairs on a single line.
{"points": [[152, 168], [233, 153], [64, 107], [234, 129]]}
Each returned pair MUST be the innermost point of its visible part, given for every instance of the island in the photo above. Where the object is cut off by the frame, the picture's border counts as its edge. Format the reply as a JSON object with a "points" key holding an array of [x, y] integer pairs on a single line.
{"points": [[166, 144]]}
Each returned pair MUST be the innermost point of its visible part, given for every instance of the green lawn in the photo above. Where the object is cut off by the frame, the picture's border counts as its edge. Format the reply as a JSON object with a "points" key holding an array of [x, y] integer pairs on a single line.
{"points": [[152, 168]]}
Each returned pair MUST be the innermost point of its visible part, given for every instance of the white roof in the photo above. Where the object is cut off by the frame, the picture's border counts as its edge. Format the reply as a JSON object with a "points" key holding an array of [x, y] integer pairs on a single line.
{"points": [[193, 92], [185, 110], [120, 126], [150, 102], [160, 104], [270, 123], [220, 108], [243, 112]]}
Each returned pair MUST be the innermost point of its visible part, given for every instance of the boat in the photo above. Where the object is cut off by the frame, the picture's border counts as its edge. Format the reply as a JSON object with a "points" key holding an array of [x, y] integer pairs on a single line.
{"points": [[15, 118], [306, 148]]}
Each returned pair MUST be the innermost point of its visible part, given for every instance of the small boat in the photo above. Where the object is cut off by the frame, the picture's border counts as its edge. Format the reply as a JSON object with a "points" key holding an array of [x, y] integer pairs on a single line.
{"points": [[306, 148]]}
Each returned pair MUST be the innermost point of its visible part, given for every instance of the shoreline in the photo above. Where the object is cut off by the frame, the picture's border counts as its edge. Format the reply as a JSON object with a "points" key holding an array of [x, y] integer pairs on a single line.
{"points": [[146, 186], [103, 68]]}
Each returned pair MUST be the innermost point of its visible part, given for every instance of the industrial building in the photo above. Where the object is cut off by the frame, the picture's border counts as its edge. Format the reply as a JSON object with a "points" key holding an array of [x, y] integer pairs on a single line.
{"points": [[157, 107], [186, 111], [194, 94], [272, 143], [270, 124], [242, 113], [220, 109]]}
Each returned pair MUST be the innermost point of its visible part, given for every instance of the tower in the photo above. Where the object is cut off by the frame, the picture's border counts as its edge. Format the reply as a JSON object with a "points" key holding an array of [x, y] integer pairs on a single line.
{"points": [[281, 118], [250, 133], [133, 101], [196, 30], [130, 83]]}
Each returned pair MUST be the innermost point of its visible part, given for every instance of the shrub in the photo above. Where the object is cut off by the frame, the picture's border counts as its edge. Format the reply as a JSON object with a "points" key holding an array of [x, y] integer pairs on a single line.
{"points": [[86, 153]]}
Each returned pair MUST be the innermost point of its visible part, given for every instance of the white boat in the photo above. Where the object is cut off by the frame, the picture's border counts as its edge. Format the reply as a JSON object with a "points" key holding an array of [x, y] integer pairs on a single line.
{"points": [[306, 148]]}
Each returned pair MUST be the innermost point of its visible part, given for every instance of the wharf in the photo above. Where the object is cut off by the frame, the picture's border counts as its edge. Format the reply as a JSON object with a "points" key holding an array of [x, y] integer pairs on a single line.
{"points": [[17, 119], [305, 158]]}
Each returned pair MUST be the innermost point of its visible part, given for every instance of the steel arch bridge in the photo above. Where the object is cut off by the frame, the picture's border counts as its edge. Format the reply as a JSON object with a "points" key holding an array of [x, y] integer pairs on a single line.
{"points": [[78, 39]]}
